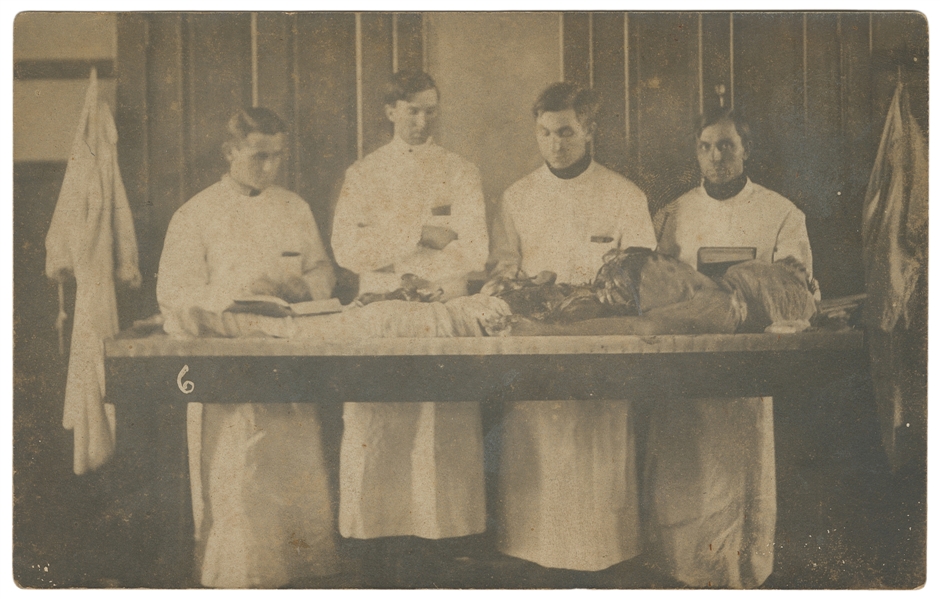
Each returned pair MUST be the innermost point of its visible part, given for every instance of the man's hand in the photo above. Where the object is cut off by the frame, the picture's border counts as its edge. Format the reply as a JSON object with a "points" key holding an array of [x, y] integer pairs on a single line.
{"points": [[264, 286], [129, 275], [294, 290], [291, 289], [436, 238], [61, 275]]}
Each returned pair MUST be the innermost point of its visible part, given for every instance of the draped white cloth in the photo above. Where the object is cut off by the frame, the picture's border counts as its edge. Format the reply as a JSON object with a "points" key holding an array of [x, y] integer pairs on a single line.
{"points": [[92, 236], [567, 477], [894, 245], [410, 468], [710, 471], [260, 484]]}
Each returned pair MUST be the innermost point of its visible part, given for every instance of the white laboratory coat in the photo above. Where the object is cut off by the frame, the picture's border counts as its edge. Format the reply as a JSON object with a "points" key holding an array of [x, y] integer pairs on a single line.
{"points": [[710, 462], [410, 468], [260, 485], [567, 477], [92, 235], [386, 199]]}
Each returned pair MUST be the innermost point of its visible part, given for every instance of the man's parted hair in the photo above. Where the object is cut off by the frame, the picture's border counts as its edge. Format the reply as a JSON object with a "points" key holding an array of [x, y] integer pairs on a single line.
{"points": [[404, 84], [740, 122], [564, 96], [246, 121]]}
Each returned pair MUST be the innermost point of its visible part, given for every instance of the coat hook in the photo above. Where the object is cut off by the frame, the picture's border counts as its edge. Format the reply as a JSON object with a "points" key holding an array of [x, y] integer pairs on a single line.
{"points": [[720, 90]]}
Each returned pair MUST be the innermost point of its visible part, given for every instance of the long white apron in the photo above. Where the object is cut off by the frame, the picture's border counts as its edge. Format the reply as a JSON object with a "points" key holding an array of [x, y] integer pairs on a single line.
{"points": [[412, 469], [259, 481], [567, 480], [265, 490], [712, 484], [567, 483], [710, 471]]}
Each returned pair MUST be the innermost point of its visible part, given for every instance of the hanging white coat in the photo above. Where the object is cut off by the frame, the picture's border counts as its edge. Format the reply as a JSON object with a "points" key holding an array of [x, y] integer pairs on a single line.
{"points": [[91, 227]]}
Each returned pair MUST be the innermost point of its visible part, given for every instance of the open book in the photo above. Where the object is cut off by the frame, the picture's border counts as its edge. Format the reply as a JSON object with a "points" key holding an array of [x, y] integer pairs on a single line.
{"points": [[269, 305]]}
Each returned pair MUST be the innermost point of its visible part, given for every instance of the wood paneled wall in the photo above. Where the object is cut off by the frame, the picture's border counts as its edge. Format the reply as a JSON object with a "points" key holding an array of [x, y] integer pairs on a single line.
{"points": [[181, 76], [816, 87]]}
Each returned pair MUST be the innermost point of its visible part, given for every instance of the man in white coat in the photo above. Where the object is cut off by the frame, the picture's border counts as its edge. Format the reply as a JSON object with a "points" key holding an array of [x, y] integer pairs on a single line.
{"points": [[411, 207], [263, 480], [567, 484], [710, 462]]}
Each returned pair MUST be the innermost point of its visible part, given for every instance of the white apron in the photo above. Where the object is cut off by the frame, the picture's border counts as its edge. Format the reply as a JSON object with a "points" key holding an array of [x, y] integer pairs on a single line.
{"points": [[710, 469], [260, 485], [567, 480], [410, 468]]}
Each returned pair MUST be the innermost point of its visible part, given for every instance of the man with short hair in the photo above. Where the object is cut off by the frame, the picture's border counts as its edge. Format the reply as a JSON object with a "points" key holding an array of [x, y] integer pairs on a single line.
{"points": [[710, 462], [260, 473], [567, 484], [411, 207]]}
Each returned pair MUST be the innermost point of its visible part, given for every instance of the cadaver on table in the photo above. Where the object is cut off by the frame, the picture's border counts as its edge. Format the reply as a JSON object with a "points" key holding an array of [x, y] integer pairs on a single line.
{"points": [[636, 292], [641, 292]]}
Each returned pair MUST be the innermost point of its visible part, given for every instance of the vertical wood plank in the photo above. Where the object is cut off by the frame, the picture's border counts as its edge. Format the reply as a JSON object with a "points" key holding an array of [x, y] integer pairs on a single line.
{"points": [[770, 92], [716, 58], [610, 143], [130, 115], [835, 259], [166, 139], [823, 101], [325, 107], [218, 82], [275, 77], [410, 41], [576, 48], [899, 39], [131, 111], [376, 70], [859, 141], [667, 103]]}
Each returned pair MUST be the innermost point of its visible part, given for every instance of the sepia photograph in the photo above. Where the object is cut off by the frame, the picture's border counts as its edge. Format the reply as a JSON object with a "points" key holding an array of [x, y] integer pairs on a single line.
{"points": [[470, 300]]}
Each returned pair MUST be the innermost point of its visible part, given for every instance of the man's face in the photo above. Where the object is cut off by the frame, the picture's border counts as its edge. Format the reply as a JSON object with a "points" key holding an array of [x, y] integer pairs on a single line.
{"points": [[721, 153], [256, 161], [563, 140], [413, 117]]}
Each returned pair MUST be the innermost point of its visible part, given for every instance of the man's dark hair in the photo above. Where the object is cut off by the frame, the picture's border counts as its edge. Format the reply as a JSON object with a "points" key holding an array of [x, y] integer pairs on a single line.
{"points": [[718, 115], [404, 84], [246, 121], [564, 96]]}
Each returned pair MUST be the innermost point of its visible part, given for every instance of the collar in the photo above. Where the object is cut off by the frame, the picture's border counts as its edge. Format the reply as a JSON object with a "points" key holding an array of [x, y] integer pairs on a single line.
{"points": [[725, 191], [574, 170], [239, 189], [406, 148]]}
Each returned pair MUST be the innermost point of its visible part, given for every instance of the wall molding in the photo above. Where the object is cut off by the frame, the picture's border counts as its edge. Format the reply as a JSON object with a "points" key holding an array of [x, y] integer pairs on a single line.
{"points": [[62, 69]]}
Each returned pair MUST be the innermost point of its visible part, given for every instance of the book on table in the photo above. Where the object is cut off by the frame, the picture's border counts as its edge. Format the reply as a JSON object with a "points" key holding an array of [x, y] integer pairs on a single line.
{"points": [[714, 261], [270, 305]]}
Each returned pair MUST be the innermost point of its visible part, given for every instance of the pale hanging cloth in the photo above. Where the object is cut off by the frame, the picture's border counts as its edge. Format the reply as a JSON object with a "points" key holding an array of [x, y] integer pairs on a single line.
{"points": [[894, 245], [92, 236]]}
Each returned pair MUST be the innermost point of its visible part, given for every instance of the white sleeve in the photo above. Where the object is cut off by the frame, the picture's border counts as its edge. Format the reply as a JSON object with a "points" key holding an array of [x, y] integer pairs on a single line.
{"points": [[793, 240], [468, 217], [507, 251], [636, 226], [183, 276], [353, 238], [317, 269]]}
